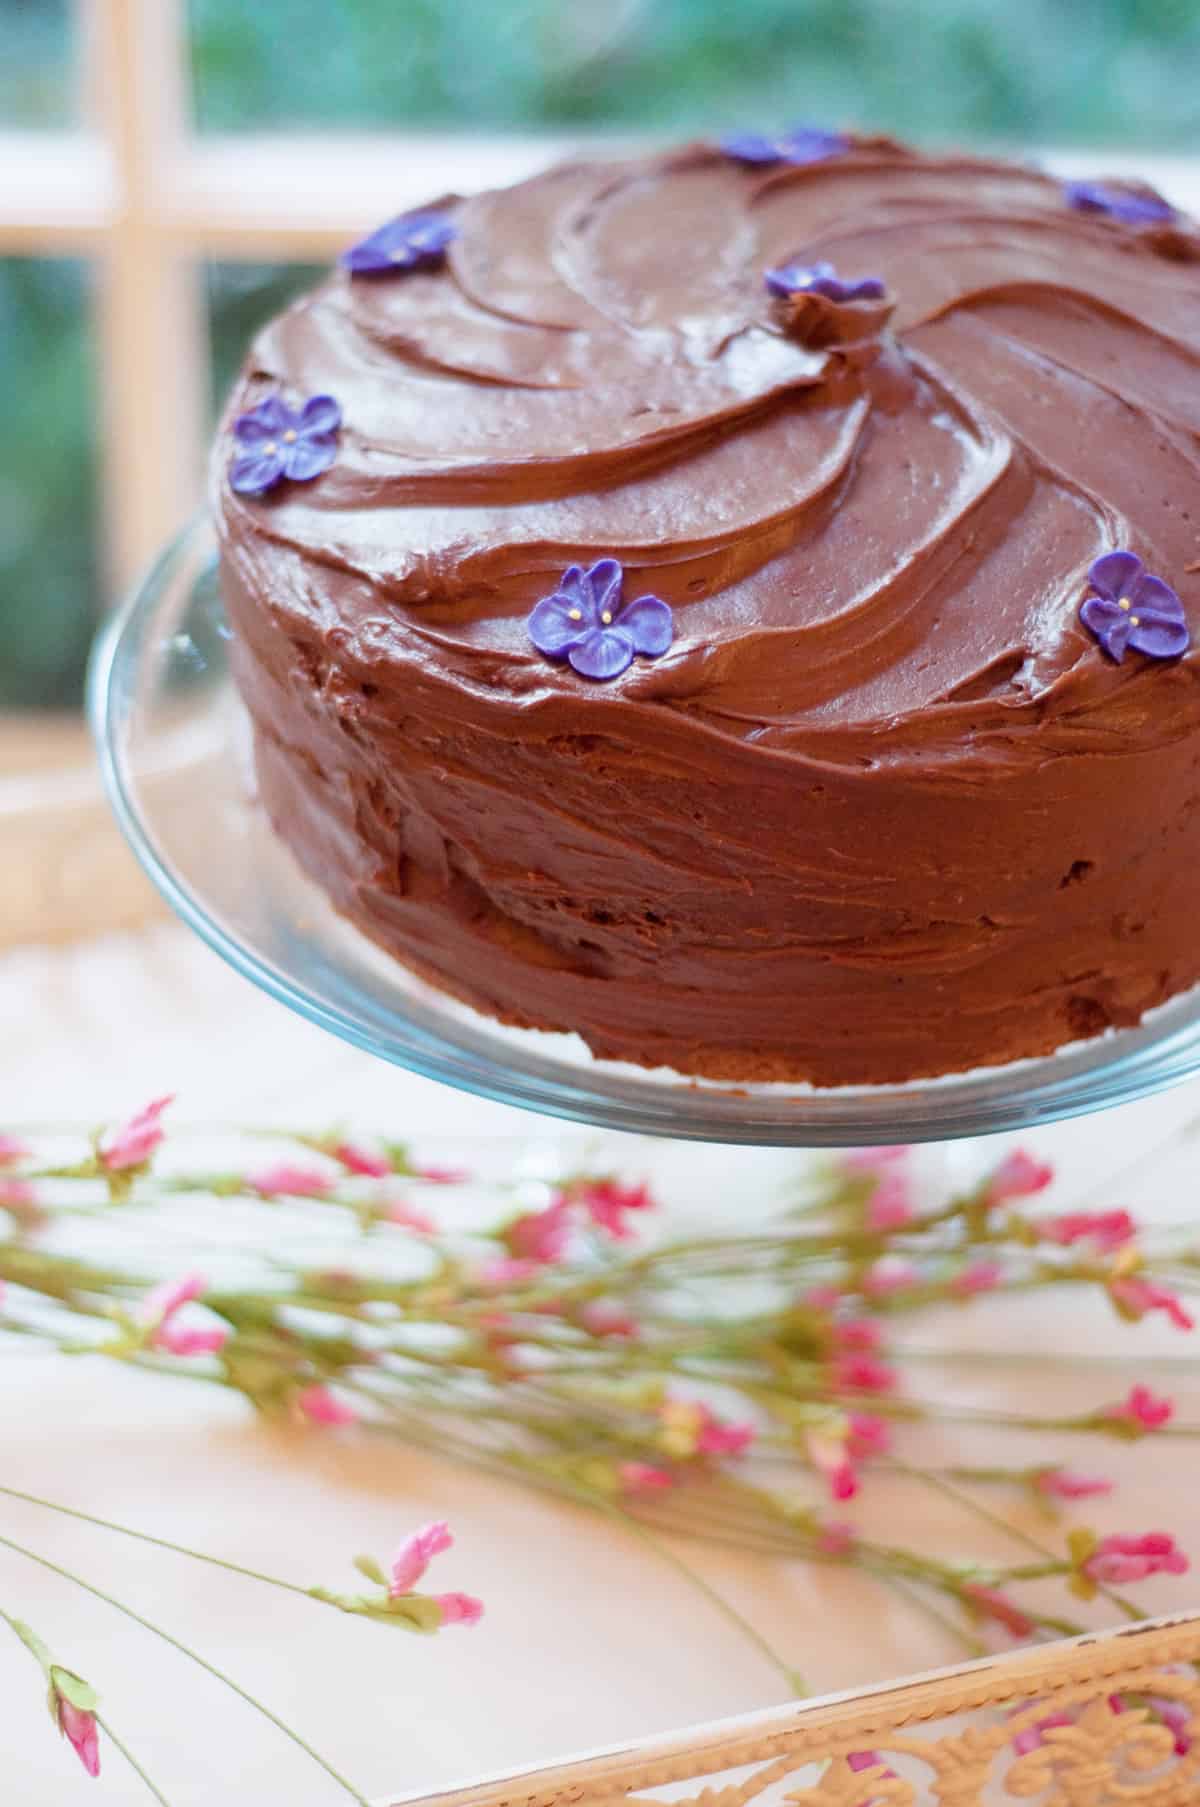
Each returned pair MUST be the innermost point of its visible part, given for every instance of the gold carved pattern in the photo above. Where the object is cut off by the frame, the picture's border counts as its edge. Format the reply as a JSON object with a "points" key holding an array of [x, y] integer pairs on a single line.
{"points": [[945, 1740]]}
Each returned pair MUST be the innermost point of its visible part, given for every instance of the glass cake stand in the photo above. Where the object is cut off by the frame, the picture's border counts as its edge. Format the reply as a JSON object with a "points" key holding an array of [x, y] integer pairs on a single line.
{"points": [[173, 750]]}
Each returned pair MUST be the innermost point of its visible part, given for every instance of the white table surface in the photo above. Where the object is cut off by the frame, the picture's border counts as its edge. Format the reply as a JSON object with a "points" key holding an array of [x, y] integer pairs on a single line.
{"points": [[589, 1639]]}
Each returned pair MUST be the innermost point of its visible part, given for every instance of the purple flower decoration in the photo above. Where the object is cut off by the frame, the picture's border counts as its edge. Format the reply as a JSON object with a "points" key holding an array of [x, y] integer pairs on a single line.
{"points": [[403, 244], [1128, 607], [796, 278], [1133, 206], [276, 441], [802, 144], [586, 623]]}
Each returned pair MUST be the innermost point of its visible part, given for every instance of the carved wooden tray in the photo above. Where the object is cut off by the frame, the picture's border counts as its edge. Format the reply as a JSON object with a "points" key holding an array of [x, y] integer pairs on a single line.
{"points": [[944, 1739]]}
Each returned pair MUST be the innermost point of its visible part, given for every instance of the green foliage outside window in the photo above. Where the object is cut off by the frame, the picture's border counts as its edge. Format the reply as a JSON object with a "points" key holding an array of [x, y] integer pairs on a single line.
{"points": [[1120, 73]]}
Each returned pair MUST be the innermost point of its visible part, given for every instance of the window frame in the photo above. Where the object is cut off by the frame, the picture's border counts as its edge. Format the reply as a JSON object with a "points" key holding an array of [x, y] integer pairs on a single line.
{"points": [[145, 199]]}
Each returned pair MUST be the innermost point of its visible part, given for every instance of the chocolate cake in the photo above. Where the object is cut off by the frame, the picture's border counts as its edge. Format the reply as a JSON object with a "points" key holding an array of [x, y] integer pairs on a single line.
{"points": [[734, 604]]}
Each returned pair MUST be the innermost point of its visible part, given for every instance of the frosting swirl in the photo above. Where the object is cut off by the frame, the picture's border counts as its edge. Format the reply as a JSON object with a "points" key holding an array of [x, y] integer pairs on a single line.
{"points": [[874, 552]]}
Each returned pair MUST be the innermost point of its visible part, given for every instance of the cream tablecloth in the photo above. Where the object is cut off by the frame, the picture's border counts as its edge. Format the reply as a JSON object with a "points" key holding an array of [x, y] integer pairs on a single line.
{"points": [[589, 1637]]}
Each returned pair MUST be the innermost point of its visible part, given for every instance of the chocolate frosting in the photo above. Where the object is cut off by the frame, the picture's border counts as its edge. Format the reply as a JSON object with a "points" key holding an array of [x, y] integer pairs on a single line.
{"points": [[884, 808]]}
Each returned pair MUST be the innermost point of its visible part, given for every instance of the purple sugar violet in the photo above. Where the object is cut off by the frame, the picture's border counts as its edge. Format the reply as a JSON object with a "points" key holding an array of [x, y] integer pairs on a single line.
{"points": [[275, 441], [796, 278], [802, 144], [1128, 607], [1133, 206], [404, 243], [586, 622]]}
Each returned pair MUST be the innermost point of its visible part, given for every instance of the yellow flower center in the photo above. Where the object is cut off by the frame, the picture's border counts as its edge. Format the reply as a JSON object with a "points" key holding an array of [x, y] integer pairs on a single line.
{"points": [[575, 614], [682, 1423], [606, 617], [1125, 604], [289, 436], [269, 448]]}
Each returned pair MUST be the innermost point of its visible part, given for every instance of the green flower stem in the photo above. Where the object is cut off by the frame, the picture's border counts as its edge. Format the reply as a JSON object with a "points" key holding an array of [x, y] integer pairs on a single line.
{"points": [[118, 1744], [162, 1543], [194, 1656], [695, 1517], [913, 1595], [714, 1312], [1053, 1563], [586, 1496], [717, 1600], [105, 1727]]}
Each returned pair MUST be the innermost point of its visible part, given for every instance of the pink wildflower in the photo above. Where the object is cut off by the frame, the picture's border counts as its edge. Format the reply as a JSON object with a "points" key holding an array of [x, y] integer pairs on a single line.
{"points": [[979, 1277], [507, 1271], [502, 1340], [197, 1341], [177, 1339], [12, 1149], [163, 1301], [322, 1407], [365, 1161], [1176, 1715], [415, 1555], [843, 1481], [828, 1454], [859, 1761], [1031, 1737], [1148, 1410], [608, 1203], [853, 1373], [643, 1477], [284, 1180], [158, 1310], [540, 1236], [408, 1217], [1119, 1559], [1065, 1484], [890, 1206], [19, 1198], [718, 1437], [78, 1727], [868, 1435], [990, 1603], [1109, 1230], [836, 1538], [1138, 1297], [134, 1142], [692, 1429], [890, 1274], [1019, 1175], [459, 1609], [858, 1333], [602, 1318], [441, 1176]]}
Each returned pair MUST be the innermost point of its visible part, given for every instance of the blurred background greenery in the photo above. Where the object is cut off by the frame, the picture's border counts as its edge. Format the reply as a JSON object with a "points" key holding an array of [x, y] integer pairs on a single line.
{"points": [[1124, 73]]}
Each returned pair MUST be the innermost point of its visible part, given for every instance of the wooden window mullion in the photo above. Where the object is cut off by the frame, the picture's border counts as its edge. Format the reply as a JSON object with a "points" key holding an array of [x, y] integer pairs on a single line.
{"points": [[150, 322]]}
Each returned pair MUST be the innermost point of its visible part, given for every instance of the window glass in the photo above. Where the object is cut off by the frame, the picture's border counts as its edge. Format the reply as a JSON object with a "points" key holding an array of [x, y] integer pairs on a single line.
{"points": [[1031, 71], [37, 63], [241, 297], [50, 588]]}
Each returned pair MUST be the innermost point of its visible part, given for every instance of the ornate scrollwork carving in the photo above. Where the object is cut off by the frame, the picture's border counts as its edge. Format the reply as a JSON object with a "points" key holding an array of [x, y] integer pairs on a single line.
{"points": [[1104, 1721]]}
